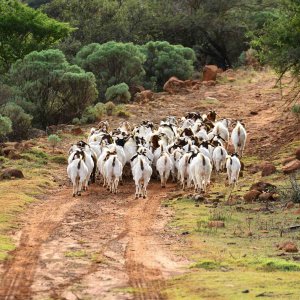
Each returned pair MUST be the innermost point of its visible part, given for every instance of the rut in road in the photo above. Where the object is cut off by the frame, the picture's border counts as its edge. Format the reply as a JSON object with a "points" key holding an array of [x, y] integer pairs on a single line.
{"points": [[125, 231]]}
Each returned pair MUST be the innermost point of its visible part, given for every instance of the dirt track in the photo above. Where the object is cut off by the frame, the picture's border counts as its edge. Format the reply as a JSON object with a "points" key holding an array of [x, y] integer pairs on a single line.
{"points": [[103, 246], [120, 238]]}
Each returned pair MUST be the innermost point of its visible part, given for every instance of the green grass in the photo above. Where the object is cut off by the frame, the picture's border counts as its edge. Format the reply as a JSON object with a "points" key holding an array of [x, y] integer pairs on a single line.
{"points": [[75, 254], [59, 159], [242, 255]]}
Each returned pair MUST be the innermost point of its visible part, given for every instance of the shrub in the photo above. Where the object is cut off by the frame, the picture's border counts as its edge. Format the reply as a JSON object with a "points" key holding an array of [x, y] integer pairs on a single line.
{"points": [[291, 191], [121, 111], [112, 63], [58, 91], [53, 140], [110, 107], [118, 93], [296, 110], [21, 121], [59, 159], [164, 60], [5, 126], [91, 114]]}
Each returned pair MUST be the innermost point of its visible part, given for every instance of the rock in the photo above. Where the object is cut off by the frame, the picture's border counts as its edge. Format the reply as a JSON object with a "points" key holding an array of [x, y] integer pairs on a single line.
{"points": [[288, 246], [198, 198], [11, 173], [245, 291], [10, 153], [146, 95], [36, 133], [263, 187], [216, 224], [77, 131], [253, 113], [297, 153], [287, 160], [210, 72], [252, 169], [267, 169], [297, 212], [290, 205], [291, 167], [134, 89], [251, 196], [209, 83], [174, 85], [264, 197]]}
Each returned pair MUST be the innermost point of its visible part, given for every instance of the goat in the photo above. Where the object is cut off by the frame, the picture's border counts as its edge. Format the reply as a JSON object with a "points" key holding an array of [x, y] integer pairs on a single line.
{"points": [[113, 172], [238, 138], [233, 166], [141, 171], [164, 166], [77, 171], [200, 170], [219, 158]]}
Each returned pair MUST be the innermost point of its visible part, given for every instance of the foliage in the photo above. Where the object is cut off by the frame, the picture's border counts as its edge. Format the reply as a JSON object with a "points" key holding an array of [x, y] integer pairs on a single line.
{"points": [[112, 63], [5, 126], [23, 29], [118, 93], [165, 60], [120, 111], [110, 107], [53, 140], [296, 110], [57, 90], [21, 121], [279, 45], [291, 192]]}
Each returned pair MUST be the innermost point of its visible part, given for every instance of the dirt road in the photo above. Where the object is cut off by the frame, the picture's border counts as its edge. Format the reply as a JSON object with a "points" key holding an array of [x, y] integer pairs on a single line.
{"points": [[97, 246]]}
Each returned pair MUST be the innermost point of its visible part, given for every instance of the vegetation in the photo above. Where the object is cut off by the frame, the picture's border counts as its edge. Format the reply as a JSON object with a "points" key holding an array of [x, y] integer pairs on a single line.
{"points": [[56, 90], [5, 126], [54, 140], [118, 93], [23, 30]]}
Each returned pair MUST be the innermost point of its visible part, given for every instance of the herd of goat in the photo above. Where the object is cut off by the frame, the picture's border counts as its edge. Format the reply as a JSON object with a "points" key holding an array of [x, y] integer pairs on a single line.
{"points": [[187, 149]]}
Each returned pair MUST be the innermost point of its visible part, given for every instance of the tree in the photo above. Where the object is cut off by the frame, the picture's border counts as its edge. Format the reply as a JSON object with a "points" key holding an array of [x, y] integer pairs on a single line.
{"points": [[58, 91], [118, 93], [279, 43], [112, 63], [21, 121], [5, 126], [53, 140], [165, 60], [23, 29]]}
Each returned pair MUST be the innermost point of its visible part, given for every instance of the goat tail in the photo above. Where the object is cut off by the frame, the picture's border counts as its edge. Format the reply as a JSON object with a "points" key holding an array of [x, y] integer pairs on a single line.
{"points": [[142, 165], [166, 160], [79, 164], [222, 152], [114, 162], [203, 160]]}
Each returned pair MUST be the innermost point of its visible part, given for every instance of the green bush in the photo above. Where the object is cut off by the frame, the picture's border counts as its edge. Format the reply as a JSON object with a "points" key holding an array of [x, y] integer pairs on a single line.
{"points": [[57, 91], [118, 93], [5, 126], [53, 140], [21, 121], [121, 111], [91, 114], [59, 159], [112, 63], [296, 110], [110, 107], [164, 60]]}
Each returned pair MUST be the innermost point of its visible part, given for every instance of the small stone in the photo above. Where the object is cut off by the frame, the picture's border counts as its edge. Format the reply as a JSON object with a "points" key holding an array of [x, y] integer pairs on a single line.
{"points": [[251, 196], [291, 167], [290, 205], [216, 224], [245, 291], [267, 169], [288, 246]]}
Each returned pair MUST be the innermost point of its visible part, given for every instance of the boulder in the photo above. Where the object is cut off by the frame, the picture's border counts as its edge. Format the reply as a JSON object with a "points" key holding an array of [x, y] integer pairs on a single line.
{"points": [[209, 83], [11, 173], [264, 197], [210, 72], [297, 153], [36, 133], [77, 131], [267, 169], [287, 160], [263, 187], [135, 89], [291, 167], [288, 246], [146, 95], [10, 153], [174, 85], [216, 224], [251, 196]]}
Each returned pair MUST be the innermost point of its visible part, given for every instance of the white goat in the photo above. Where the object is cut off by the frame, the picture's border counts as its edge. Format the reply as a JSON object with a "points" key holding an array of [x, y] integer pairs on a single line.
{"points": [[233, 166], [238, 138], [141, 171], [113, 172], [77, 172], [219, 158], [164, 166], [200, 170]]}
